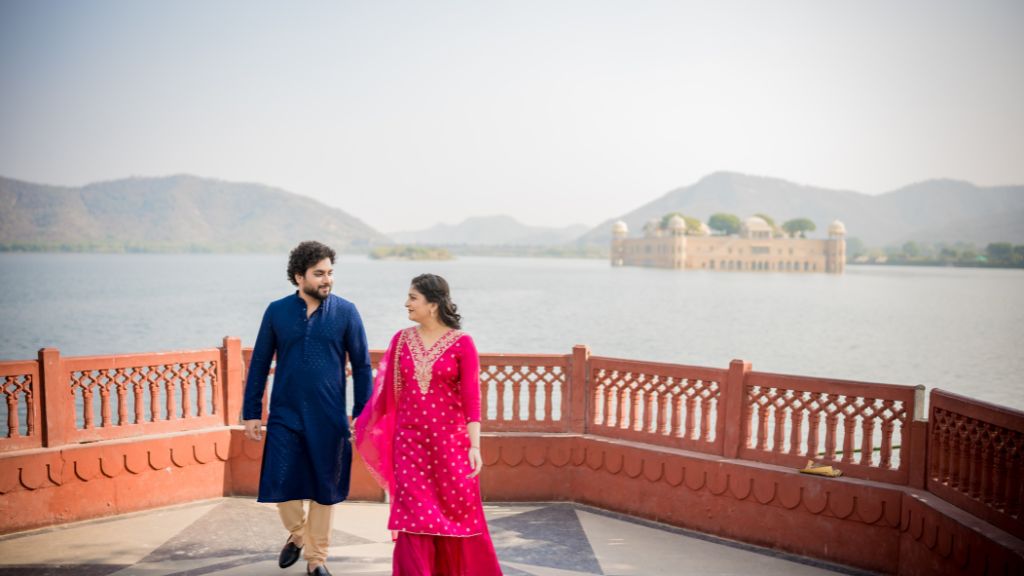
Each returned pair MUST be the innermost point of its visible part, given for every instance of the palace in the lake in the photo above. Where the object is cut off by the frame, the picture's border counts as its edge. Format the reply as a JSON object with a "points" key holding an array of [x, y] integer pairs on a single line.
{"points": [[753, 249]]}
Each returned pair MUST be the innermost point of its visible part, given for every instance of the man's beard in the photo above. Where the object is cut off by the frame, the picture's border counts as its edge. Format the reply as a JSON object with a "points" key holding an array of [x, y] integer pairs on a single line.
{"points": [[315, 292]]}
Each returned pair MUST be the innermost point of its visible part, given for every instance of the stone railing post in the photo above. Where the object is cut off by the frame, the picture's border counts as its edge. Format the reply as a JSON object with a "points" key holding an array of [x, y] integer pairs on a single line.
{"points": [[57, 402], [234, 388], [732, 398], [578, 390], [917, 455]]}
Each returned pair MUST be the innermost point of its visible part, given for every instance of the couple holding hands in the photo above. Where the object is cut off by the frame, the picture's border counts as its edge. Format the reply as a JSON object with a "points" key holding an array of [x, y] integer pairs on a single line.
{"points": [[417, 424]]}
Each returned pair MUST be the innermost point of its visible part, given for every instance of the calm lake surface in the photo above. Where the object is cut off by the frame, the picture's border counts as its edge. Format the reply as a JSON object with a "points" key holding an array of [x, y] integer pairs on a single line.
{"points": [[957, 329]]}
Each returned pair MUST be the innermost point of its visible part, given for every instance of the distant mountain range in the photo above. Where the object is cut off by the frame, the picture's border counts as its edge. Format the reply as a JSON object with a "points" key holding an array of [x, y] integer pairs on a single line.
{"points": [[175, 213], [936, 210], [490, 231], [188, 213]]}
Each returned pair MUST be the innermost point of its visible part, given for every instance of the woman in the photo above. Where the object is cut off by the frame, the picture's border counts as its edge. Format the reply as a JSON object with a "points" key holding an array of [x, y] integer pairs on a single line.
{"points": [[420, 438]]}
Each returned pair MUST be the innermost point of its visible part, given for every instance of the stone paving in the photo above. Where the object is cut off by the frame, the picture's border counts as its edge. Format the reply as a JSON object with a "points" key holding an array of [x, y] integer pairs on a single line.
{"points": [[235, 536]]}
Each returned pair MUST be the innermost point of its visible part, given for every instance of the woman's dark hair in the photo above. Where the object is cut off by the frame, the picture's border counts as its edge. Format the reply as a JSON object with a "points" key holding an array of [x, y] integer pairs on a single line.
{"points": [[435, 289], [305, 256]]}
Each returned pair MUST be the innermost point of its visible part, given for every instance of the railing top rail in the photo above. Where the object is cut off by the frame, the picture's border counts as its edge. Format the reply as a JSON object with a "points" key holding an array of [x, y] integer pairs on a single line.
{"points": [[525, 359], [144, 359], [682, 370], [833, 385], [978, 409], [16, 367]]}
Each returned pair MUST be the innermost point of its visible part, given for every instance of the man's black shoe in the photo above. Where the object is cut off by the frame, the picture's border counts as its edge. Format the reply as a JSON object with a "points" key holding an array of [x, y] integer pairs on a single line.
{"points": [[320, 570], [289, 554]]}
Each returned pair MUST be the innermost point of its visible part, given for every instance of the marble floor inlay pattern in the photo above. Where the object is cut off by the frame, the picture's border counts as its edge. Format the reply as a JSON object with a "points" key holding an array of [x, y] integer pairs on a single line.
{"points": [[235, 536]]}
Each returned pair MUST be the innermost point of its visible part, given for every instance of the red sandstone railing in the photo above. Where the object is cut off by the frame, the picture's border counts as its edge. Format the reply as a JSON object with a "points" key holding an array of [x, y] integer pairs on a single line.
{"points": [[972, 455], [130, 395], [788, 420], [524, 393], [20, 388], [976, 458], [664, 404]]}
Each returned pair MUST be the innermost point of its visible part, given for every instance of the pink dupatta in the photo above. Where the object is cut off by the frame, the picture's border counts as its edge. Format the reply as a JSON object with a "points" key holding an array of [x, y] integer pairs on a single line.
{"points": [[375, 427]]}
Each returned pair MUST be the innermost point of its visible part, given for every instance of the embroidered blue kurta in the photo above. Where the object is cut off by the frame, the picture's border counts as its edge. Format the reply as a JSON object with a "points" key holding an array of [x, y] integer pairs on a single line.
{"points": [[307, 454]]}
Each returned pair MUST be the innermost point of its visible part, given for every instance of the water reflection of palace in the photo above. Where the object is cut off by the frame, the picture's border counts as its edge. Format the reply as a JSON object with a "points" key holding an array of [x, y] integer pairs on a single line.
{"points": [[754, 249]]}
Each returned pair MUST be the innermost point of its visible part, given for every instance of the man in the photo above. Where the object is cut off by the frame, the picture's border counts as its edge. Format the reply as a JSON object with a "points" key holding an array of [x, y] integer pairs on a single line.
{"points": [[307, 455]]}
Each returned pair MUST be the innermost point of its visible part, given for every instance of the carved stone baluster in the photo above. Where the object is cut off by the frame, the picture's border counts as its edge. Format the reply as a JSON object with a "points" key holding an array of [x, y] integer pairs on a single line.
{"points": [[885, 462], [796, 419], [945, 447], [121, 380], [186, 376], [12, 407], [622, 414], [154, 393], [985, 463], [517, 388], [531, 400], [599, 389], [611, 399], [636, 399], [500, 394], [215, 388], [688, 414], [169, 386], [705, 419], [87, 407], [831, 425], [867, 448], [30, 420], [975, 461], [779, 436], [201, 390], [953, 475], [104, 385], [650, 409], [849, 425], [660, 409], [485, 394], [751, 416], [998, 472], [814, 432], [677, 413], [549, 394], [964, 464]]}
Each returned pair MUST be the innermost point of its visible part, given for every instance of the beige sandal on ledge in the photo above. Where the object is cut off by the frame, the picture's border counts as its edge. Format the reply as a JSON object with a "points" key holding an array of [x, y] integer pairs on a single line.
{"points": [[819, 470]]}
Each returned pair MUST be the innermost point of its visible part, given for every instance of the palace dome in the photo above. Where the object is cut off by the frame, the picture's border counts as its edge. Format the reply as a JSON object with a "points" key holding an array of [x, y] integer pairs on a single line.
{"points": [[676, 223], [836, 228], [620, 226], [756, 223]]}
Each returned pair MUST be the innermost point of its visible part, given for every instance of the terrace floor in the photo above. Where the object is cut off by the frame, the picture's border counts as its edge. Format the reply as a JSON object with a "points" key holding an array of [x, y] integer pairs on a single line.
{"points": [[228, 536]]}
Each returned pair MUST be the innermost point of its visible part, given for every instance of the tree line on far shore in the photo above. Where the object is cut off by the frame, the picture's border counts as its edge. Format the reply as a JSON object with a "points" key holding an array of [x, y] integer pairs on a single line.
{"points": [[911, 253]]}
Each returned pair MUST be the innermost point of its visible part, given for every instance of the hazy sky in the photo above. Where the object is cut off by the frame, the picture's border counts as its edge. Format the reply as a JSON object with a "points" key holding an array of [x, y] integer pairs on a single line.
{"points": [[410, 113]]}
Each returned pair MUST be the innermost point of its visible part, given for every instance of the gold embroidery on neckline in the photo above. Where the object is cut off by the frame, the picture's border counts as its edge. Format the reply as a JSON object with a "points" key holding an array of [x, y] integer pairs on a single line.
{"points": [[424, 359]]}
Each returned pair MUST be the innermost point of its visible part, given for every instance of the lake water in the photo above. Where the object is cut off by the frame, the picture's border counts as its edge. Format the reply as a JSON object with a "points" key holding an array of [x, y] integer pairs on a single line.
{"points": [[957, 329]]}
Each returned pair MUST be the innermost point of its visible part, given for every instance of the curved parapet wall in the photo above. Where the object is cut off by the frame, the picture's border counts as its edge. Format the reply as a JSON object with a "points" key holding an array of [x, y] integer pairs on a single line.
{"points": [[709, 449]]}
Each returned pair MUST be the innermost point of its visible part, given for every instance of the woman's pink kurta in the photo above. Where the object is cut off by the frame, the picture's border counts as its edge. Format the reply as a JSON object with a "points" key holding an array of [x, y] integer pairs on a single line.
{"points": [[414, 441], [433, 493]]}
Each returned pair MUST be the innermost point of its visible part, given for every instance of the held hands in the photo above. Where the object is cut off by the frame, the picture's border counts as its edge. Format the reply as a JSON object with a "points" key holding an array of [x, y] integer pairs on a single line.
{"points": [[253, 429], [475, 461]]}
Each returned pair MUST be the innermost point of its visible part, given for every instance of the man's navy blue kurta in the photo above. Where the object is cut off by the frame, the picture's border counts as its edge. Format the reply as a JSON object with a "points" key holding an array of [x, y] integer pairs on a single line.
{"points": [[307, 455]]}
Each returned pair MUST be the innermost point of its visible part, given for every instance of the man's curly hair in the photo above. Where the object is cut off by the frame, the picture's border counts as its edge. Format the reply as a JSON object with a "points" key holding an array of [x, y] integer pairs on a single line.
{"points": [[305, 256]]}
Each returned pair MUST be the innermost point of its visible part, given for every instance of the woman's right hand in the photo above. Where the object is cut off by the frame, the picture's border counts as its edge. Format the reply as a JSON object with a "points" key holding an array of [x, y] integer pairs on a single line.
{"points": [[475, 461]]}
